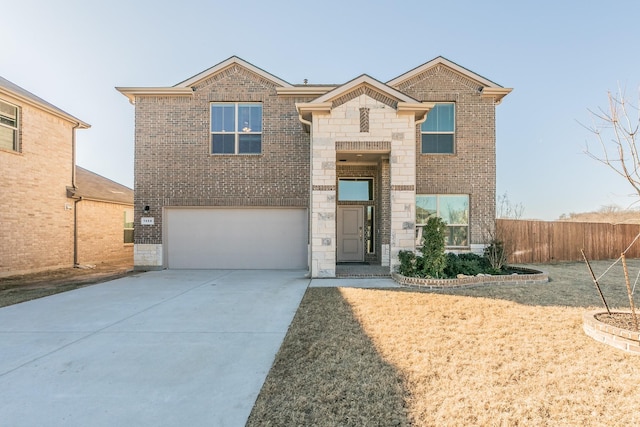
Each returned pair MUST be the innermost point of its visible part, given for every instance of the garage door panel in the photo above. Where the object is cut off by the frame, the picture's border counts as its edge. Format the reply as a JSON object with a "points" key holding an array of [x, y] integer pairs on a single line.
{"points": [[236, 238]]}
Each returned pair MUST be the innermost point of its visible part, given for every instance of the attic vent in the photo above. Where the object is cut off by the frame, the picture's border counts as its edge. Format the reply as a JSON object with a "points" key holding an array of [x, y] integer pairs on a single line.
{"points": [[364, 120]]}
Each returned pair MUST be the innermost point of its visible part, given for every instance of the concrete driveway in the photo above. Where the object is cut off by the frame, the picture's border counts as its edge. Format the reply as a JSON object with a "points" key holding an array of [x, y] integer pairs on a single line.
{"points": [[167, 348]]}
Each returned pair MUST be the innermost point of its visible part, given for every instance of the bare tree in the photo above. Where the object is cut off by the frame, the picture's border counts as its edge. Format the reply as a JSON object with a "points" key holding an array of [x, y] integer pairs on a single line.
{"points": [[616, 131], [500, 241], [506, 209]]}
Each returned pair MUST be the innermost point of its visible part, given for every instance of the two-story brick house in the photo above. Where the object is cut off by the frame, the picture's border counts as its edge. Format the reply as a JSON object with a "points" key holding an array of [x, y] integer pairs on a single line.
{"points": [[52, 214], [236, 168]]}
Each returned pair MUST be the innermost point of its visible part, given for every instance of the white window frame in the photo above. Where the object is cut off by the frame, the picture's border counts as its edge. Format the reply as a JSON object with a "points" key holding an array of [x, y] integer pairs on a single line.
{"points": [[452, 132], [15, 129], [438, 197], [238, 130]]}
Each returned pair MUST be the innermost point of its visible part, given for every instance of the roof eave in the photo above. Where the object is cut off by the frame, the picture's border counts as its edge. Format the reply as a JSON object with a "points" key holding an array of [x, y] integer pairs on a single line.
{"points": [[133, 92], [56, 112], [418, 109], [496, 93], [304, 90]]}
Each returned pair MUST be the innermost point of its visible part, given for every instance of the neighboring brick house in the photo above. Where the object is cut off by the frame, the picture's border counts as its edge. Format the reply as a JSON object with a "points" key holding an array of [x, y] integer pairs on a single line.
{"points": [[104, 212], [236, 168], [37, 160]]}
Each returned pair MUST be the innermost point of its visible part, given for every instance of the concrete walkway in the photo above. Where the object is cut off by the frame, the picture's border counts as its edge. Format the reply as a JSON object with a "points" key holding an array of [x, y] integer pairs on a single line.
{"points": [[167, 348]]}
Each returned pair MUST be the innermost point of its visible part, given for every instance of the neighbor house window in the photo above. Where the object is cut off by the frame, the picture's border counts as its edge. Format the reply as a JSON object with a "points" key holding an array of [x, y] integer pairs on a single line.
{"points": [[453, 209], [438, 131], [8, 126], [236, 128], [128, 226]]}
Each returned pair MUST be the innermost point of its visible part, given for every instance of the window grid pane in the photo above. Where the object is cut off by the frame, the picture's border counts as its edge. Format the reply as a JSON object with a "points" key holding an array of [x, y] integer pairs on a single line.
{"points": [[223, 144], [249, 144], [439, 129], [249, 118], [223, 118], [437, 143]]}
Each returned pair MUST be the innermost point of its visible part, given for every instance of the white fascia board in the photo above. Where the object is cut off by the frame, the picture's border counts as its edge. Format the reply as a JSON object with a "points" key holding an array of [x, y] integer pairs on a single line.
{"points": [[304, 90], [132, 92]]}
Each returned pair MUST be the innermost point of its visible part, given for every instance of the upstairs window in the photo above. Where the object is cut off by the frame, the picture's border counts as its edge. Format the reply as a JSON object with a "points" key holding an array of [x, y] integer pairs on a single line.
{"points": [[8, 126], [438, 131], [236, 128]]}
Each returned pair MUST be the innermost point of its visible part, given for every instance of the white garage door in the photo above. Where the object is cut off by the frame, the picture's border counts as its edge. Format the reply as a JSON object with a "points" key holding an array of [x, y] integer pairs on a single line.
{"points": [[236, 238]]}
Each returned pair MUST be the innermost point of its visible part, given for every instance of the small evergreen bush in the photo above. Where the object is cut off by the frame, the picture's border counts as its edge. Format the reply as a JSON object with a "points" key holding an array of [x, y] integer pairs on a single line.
{"points": [[434, 260]]}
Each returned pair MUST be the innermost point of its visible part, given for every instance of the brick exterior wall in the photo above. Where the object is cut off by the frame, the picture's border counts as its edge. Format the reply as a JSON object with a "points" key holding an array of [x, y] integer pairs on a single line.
{"points": [[174, 167], [101, 232], [472, 170], [36, 215]]}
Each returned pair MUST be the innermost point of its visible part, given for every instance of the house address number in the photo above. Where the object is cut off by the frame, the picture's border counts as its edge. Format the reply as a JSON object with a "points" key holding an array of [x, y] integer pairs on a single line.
{"points": [[147, 221]]}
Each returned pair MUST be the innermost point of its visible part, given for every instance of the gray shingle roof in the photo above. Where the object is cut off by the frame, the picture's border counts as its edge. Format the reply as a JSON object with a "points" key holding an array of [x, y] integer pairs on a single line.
{"points": [[90, 185]]}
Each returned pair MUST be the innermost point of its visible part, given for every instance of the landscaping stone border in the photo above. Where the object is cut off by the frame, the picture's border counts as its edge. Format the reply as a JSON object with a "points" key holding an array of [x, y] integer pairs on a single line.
{"points": [[622, 339], [526, 277]]}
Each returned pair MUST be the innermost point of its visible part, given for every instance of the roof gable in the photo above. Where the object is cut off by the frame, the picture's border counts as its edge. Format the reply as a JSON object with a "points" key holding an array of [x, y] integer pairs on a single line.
{"points": [[488, 88], [230, 62], [364, 84], [440, 60]]}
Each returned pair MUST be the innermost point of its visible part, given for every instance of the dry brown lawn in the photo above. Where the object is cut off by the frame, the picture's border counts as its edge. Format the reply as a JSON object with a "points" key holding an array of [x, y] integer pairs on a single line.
{"points": [[25, 287], [503, 355]]}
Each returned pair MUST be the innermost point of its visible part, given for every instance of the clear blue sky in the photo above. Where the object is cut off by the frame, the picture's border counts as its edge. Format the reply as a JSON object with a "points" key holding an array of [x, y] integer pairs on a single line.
{"points": [[561, 58]]}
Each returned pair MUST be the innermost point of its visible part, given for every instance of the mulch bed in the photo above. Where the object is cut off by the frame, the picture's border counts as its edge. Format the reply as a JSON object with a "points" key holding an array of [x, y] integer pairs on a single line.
{"points": [[619, 320]]}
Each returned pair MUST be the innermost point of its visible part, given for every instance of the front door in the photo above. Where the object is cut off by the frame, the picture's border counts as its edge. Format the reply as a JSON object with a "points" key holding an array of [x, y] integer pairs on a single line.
{"points": [[350, 233]]}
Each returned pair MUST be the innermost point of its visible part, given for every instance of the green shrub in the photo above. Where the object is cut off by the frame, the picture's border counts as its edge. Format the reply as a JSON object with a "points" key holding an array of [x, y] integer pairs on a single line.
{"points": [[434, 262], [407, 263], [434, 259], [468, 264]]}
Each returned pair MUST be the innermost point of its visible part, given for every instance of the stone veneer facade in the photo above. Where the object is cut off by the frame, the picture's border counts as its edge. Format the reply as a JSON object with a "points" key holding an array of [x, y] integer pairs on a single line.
{"points": [[342, 125], [305, 129]]}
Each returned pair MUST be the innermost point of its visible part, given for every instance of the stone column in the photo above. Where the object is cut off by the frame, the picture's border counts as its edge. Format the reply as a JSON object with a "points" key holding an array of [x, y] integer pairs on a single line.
{"points": [[403, 193], [323, 207]]}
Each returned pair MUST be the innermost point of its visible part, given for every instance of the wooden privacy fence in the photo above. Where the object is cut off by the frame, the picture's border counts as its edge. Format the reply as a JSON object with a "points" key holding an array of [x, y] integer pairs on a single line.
{"points": [[549, 241]]}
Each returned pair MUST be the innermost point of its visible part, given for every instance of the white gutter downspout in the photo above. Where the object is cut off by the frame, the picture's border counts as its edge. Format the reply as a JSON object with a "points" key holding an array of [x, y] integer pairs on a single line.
{"points": [[309, 255], [306, 122], [422, 120], [79, 199]]}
